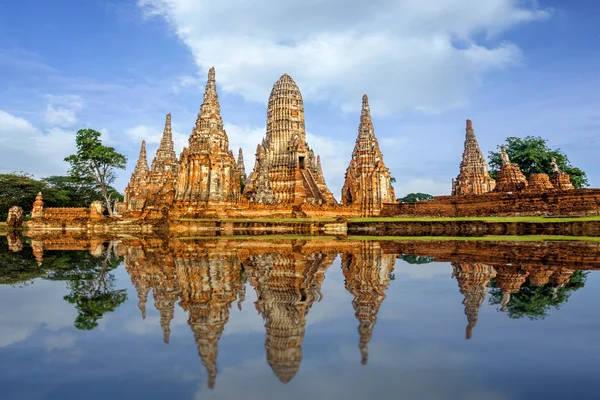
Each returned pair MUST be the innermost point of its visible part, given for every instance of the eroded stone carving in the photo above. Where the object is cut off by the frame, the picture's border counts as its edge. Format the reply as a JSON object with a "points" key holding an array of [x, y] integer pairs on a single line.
{"points": [[15, 217]]}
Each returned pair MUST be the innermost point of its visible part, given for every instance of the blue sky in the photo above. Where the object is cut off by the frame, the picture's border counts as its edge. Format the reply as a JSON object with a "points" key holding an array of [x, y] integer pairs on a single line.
{"points": [[513, 67]]}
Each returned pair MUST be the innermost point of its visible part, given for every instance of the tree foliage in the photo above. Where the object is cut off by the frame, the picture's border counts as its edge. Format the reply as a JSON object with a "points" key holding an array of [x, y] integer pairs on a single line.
{"points": [[414, 197], [534, 302], [533, 156], [95, 163], [20, 189]]}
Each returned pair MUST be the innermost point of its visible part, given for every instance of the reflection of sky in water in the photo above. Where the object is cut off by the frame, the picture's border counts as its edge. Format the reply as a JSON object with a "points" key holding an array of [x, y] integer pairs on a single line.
{"points": [[418, 348]]}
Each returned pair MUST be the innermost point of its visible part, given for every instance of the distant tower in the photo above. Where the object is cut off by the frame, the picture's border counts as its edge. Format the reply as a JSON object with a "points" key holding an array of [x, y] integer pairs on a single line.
{"points": [[474, 177], [241, 166]]}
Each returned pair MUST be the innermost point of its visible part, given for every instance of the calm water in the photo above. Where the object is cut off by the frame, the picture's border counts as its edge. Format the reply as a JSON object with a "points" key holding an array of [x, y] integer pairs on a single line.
{"points": [[257, 319]]}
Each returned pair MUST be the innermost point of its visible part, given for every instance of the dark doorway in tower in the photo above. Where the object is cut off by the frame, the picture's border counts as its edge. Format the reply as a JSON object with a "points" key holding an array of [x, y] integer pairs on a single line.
{"points": [[301, 162]]}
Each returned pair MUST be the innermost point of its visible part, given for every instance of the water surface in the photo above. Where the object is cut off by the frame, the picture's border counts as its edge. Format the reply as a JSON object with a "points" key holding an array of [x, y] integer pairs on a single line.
{"points": [[299, 319]]}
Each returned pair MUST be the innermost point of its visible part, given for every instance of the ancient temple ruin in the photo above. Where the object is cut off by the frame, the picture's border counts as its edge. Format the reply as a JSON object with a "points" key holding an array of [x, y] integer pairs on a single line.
{"points": [[510, 178], [135, 195], [367, 184], [294, 174], [474, 177], [208, 171]]}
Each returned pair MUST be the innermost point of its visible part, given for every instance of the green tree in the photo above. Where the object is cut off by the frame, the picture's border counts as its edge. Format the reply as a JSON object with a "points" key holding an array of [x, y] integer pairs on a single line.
{"points": [[68, 192], [18, 189], [95, 163], [533, 155], [534, 302], [414, 197]]}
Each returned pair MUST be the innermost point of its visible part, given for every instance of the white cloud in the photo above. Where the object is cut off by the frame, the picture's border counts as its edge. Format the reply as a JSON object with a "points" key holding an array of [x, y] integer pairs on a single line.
{"points": [[23, 147], [60, 116], [10, 124], [26, 311], [403, 53], [62, 110]]}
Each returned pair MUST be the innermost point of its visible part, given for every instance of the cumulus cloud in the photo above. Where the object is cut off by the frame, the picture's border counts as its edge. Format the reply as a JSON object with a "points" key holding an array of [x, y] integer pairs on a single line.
{"points": [[22, 314], [404, 53], [62, 110], [27, 148], [10, 124]]}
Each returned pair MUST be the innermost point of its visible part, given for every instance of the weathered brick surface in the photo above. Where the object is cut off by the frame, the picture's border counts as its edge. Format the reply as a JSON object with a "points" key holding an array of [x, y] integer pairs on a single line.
{"points": [[571, 202], [367, 181], [473, 177]]}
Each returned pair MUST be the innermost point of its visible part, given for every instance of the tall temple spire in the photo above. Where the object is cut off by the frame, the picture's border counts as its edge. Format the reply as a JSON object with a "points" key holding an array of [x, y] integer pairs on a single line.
{"points": [[474, 177], [208, 170], [165, 158], [141, 168], [287, 157], [241, 166], [366, 125], [367, 184], [209, 131]]}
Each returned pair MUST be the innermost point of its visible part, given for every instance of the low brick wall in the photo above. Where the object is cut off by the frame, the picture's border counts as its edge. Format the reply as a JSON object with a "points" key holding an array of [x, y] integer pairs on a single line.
{"points": [[578, 202]]}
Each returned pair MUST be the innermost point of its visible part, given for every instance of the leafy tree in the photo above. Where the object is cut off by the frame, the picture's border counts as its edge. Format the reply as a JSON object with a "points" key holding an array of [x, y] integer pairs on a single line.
{"points": [[414, 197], [392, 180], [68, 192], [534, 302], [95, 163], [533, 155], [18, 189]]}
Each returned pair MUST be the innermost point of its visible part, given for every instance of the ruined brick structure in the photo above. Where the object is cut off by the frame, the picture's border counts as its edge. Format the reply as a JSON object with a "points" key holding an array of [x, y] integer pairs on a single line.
{"points": [[15, 217], [136, 192], [367, 182], [208, 172], [537, 183], [295, 175], [474, 177], [559, 179], [510, 178]]}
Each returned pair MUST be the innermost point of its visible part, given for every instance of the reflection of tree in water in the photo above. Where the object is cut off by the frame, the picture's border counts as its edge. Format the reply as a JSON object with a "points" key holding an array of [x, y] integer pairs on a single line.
{"points": [[89, 279], [413, 259], [535, 301]]}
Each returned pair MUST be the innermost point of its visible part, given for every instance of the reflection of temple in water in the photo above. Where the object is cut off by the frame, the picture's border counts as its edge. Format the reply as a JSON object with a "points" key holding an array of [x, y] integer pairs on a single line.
{"points": [[207, 276], [367, 271], [286, 287], [473, 281]]}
